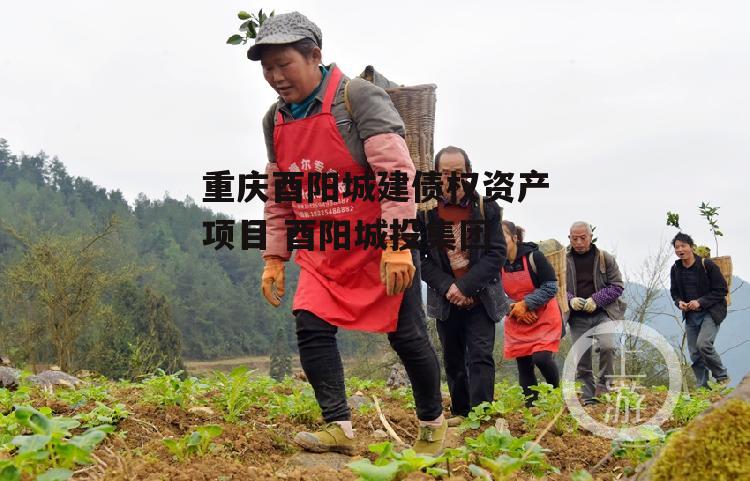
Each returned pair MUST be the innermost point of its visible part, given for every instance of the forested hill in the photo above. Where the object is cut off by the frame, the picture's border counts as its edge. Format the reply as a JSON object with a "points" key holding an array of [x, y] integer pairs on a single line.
{"points": [[213, 296]]}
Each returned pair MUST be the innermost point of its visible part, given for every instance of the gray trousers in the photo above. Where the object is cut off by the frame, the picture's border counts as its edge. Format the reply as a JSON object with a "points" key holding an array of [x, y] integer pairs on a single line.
{"points": [[701, 333], [579, 324]]}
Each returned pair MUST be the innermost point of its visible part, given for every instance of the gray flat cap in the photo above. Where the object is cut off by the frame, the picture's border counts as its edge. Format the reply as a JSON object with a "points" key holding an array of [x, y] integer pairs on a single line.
{"points": [[282, 29]]}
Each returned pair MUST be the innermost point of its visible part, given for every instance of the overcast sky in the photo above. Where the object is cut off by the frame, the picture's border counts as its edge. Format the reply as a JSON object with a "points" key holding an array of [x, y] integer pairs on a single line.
{"points": [[633, 108]]}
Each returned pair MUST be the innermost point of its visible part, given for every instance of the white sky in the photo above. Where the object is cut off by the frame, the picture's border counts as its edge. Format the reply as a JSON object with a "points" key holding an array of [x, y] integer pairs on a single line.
{"points": [[634, 108]]}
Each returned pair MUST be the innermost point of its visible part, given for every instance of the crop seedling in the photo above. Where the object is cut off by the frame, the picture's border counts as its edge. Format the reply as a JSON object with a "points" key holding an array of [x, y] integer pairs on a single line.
{"points": [[501, 454], [300, 406], [164, 389], [234, 390], [197, 442], [391, 464], [103, 414], [51, 451]]}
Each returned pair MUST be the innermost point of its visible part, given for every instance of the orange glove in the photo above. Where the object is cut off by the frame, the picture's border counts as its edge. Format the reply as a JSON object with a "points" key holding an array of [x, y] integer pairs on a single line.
{"points": [[272, 280], [529, 318], [519, 310], [396, 270]]}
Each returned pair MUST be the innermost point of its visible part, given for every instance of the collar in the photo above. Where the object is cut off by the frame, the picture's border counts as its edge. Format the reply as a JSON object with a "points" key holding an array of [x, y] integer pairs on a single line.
{"points": [[285, 107]]}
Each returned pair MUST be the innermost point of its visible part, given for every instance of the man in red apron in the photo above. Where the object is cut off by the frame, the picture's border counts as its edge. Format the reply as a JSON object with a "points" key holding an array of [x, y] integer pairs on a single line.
{"points": [[310, 130]]}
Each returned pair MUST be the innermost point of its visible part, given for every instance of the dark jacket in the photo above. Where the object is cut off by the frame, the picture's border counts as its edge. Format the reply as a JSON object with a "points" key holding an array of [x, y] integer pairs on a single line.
{"points": [[608, 283], [482, 281], [712, 288]]}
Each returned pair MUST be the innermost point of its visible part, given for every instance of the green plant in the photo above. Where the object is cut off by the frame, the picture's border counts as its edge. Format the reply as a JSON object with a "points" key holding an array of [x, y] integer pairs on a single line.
{"points": [[390, 464], [249, 26], [690, 405], [623, 399], [299, 406], [354, 384], [640, 448], [234, 390], [197, 442], [710, 213], [405, 395], [9, 398], [168, 390], [103, 414], [502, 454], [550, 401], [51, 451], [673, 220], [581, 475], [78, 397]]}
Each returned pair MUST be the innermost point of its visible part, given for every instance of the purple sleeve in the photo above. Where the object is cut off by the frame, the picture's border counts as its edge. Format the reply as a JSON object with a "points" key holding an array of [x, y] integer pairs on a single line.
{"points": [[570, 296], [607, 295]]}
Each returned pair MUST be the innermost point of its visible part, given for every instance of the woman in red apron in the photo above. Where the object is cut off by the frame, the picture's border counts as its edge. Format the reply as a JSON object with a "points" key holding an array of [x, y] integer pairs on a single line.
{"points": [[311, 131], [534, 325]]}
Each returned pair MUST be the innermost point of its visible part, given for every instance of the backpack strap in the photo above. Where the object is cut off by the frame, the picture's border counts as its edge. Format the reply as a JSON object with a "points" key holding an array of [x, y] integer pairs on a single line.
{"points": [[481, 206], [347, 102], [532, 262], [602, 262]]}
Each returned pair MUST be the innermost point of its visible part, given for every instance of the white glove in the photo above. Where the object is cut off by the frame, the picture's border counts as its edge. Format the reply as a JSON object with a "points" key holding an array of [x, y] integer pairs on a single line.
{"points": [[577, 303], [590, 305]]}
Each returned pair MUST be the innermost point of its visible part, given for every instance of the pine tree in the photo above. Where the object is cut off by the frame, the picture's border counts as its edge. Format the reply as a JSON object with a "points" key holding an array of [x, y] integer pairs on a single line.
{"points": [[281, 357]]}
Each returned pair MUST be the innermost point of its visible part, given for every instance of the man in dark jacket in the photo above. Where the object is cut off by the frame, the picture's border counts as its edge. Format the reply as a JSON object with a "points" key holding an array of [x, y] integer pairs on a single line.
{"points": [[594, 286], [465, 293], [699, 291]]}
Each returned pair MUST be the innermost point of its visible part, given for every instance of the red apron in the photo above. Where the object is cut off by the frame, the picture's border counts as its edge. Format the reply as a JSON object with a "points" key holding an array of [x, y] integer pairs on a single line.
{"points": [[342, 287], [523, 339]]}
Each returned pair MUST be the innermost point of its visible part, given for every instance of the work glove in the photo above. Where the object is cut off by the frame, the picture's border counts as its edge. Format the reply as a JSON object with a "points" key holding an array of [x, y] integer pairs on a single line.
{"points": [[577, 303], [272, 280], [396, 270], [590, 305], [529, 318], [519, 310]]}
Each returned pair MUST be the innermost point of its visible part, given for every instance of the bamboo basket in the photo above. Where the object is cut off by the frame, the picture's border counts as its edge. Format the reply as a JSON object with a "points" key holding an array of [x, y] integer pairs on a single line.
{"points": [[725, 266], [556, 255], [416, 106]]}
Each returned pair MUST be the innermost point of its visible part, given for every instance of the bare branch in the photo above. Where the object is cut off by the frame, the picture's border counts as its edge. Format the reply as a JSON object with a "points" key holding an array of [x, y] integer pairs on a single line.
{"points": [[735, 346]]}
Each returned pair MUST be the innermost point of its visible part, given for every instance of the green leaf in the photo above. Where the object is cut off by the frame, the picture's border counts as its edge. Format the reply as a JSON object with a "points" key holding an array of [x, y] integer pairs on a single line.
{"points": [[480, 473], [383, 449], [55, 474], [88, 440], [194, 439], [369, 472], [10, 473], [235, 40], [502, 466], [243, 15], [35, 442], [31, 418], [211, 430]]}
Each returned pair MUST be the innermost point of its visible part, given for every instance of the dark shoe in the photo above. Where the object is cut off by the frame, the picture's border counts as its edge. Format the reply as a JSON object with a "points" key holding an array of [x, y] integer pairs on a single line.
{"points": [[330, 438], [591, 402]]}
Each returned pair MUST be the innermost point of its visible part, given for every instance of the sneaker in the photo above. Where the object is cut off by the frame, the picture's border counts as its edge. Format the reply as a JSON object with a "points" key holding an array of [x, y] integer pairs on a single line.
{"points": [[591, 402], [330, 438], [455, 421], [431, 440]]}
